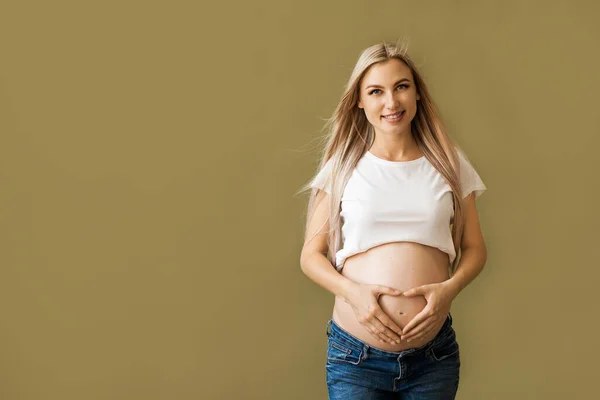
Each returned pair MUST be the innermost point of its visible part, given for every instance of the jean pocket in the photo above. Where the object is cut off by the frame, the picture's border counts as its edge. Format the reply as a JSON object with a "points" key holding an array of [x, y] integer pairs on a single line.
{"points": [[340, 352], [447, 347]]}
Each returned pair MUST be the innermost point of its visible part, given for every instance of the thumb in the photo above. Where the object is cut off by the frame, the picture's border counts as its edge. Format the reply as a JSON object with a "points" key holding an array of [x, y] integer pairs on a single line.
{"points": [[414, 291], [388, 290]]}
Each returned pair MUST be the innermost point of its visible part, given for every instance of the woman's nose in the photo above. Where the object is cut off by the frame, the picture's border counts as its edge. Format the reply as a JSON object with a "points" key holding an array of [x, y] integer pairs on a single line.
{"points": [[391, 101]]}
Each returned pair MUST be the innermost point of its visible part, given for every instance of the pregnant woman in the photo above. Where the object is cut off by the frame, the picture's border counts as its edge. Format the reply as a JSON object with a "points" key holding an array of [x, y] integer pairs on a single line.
{"points": [[390, 208]]}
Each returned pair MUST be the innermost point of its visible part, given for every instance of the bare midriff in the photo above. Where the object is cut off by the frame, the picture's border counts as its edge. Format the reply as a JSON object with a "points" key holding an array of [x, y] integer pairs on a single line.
{"points": [[402, 266]]}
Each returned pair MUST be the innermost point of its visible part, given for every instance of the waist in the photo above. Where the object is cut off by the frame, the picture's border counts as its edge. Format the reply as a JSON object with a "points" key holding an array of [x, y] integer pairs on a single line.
{"points": [[333, 329], [399, 265]]}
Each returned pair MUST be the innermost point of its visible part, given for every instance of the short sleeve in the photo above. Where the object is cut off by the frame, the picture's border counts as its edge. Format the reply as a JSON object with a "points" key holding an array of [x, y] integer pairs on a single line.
{"points": [[323, 178], [470, 180]]}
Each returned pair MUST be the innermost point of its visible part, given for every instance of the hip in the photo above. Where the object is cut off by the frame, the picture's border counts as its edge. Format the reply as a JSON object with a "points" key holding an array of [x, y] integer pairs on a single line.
{"points": [[353, 366]]}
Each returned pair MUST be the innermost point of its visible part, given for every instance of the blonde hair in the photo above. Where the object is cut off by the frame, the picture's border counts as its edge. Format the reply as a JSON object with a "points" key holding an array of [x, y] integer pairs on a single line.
{"points": [[350, 135]]}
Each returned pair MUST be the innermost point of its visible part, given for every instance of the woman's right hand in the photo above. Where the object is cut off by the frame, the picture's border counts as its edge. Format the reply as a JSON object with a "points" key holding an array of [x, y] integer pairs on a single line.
{"points": [[364, 301]]}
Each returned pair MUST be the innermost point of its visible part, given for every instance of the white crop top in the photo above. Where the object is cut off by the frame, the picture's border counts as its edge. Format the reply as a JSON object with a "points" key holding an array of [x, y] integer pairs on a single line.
{"points": [[393, 201]]}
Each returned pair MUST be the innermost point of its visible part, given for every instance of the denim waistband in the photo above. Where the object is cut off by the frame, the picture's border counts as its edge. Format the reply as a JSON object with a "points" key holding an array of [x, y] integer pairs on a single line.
{"points": [[332, 328]]}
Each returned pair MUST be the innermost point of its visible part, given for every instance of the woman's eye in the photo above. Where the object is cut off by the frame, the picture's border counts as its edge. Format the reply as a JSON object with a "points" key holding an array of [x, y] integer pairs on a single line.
{"points": [[377, 90]]}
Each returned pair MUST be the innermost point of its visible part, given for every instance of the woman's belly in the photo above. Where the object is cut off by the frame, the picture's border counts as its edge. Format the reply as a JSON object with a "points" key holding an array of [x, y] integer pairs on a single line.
{"points": [[402, 266]]}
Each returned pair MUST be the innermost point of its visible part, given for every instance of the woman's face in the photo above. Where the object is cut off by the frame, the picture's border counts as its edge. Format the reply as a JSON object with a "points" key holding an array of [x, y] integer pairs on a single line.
{"points": [[387, 89]]}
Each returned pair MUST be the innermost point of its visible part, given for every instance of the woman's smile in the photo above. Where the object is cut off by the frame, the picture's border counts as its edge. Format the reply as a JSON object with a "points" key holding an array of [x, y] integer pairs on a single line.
{"points": [[394, 118]]}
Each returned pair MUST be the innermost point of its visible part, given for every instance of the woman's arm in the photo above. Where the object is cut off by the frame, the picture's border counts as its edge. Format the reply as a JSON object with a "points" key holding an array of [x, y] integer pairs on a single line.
{"points": [[317, 268], [473, 250], [361, 297], [313, 259], [439, 296]]}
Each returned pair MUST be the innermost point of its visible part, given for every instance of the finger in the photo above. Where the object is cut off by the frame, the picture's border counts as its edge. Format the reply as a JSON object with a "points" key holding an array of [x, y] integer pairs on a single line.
{"points": [[389, 324], [417, 319], [383, 331], [384, 324], [387, 290], [419, 328], [369, 322], [419, 290], [423, 333], [435, 326], [395, 337], [379, 334], [372, 329]]}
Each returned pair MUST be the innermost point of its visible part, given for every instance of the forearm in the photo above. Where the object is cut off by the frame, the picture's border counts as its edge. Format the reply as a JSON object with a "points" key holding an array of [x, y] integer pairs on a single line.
{"points": [[471, 264], [317, 268]]}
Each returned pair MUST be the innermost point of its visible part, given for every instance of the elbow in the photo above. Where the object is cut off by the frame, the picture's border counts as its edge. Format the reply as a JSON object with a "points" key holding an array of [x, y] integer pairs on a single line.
{"points": [[482, 257], [307, 259], [483, 253], [479, 252], [304, 255]]}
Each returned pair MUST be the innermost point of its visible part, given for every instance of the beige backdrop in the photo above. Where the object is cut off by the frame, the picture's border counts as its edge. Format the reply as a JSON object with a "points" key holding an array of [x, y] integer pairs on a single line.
{"points": [[150, 151]]}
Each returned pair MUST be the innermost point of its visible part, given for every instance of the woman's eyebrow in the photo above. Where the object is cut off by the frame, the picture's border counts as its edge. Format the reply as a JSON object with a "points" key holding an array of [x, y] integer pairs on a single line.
{"points": [[378, 86]]}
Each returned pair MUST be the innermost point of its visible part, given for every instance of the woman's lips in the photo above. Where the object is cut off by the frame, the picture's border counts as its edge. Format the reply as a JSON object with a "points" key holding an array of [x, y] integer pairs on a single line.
{"points": [[395, 117]]}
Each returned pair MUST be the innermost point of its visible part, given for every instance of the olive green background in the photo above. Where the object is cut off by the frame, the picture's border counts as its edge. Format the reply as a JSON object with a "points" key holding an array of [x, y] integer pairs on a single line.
{"points": [[150, 157]]}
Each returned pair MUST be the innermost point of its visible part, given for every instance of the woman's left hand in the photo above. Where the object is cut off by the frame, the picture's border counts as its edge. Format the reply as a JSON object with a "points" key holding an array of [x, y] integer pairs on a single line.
{"points": [[439, 297]]}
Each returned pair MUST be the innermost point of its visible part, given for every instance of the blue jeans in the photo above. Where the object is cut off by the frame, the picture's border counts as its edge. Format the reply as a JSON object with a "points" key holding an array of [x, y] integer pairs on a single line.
{"points": [[358, 371]]}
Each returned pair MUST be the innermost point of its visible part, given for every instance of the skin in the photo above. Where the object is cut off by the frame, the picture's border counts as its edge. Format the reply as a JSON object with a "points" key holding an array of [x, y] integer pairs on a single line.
{"points": [[393, 141], [363, 297], [386, 88]]}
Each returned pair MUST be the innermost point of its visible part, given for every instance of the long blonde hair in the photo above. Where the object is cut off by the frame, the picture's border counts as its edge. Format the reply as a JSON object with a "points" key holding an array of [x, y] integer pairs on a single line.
{"points": [[350, 135]]}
